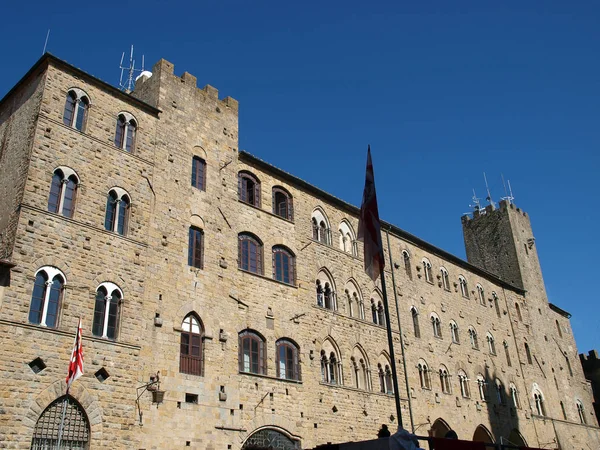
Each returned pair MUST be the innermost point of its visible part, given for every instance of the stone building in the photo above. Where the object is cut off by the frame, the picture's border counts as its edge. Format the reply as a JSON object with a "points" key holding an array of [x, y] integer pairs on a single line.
{"points": [[235, 292]]}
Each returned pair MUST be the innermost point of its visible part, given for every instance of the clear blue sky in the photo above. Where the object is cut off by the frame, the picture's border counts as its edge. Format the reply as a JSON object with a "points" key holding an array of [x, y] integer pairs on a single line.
{"points": [[442, 91]]}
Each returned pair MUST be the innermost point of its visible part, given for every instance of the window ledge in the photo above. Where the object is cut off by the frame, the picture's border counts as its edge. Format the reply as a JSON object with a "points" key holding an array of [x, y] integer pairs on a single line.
{"points": [[259, 275], [334, 248], [269, 377], [266, 211]]}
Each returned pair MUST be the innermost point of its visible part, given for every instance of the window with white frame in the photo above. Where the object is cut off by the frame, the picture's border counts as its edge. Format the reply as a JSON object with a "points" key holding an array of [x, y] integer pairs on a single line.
{"points": [[125, 132], [427, 270], [580, 412], [320, 226], [385, 378], [445, 279], [507, 354], [63, 191], [464, 288], [436, 325], [473, 338], [491, 343], [500, 392], [454, 332], [482, 387], [355, 302], [538, 400], [377, 311], [445, 380], [107, 311], [76, 109], [481, 295], [424, 374], [514, 394], [118, 205], [415, 319], [46, 297], [330, 367], [407, 268], [326, 297], [347, 239], [463, 381], [496, 304]]}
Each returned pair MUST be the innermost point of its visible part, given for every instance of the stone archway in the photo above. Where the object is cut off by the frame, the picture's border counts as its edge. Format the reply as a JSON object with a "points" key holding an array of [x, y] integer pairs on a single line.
{"points": [[516, 438], [76, 430], [439, 428], [271, 438], [483, 435]]}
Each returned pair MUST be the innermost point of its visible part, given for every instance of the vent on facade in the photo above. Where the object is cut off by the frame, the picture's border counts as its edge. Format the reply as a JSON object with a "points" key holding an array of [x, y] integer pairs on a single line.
{"points": [[102, 375], [191, 398], [37, 365]]}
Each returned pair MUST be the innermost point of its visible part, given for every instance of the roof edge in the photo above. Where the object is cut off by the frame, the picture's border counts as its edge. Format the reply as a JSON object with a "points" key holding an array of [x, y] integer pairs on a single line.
{"points": [[560, 311]]}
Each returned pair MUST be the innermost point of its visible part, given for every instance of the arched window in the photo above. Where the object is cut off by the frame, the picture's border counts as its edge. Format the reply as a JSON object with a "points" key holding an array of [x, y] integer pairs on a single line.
{"points": [[63, 192], [445, 279], [46, 297], [481, 294], [496, 304], [360, 369], [427, 270], [464, 288], [320, 227], [347, 239], [118, 205], [250, 253], [518, 308], [249, 188], [491, 344], [445, 380], [436, 325], [528, 353], [454, 332], [288, 363], [196, 248], [514, 394], [355, 302], [199, 173], [423, 374], [76, 430], [538, 399], [500, 392], [270, 438], [463, 381], [283, 203], [191, 352], [252, 357], [568, 363], [482, 387], [106, 310], [284, 265], [325, 294], [125, 132], [473, 338], [76, 109], [330, 364], [377, 312], [415, 319], [580, 412], [407, 269], [506, 353], [558, 329], [385, 379]]}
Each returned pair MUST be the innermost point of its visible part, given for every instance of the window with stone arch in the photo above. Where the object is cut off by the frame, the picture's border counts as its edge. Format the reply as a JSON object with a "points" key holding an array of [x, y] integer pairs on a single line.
{"points": [[199, 173], [377, 312], [63, 191], [507, 354], [118, 205], [321, 231], [496, 304], [406, 260], [76, 110], [473, 338], [482, 387], [463, 382], [424, 378], [125, 132], [283, 203], [386, 385], [445, 279], [361, 372], [250, 253], [331, 364], [354, 299], [284, 265], [500, 396], [249, 188], [107, 310], [480, 294], [326, 297], [445, 380], [287, 359], [76, 431], [464, 288], [514, 394], [436, 325], [427, 270], [538, 401], [191, 349], [580, 412], [347, 238], [46, 298], [454, 332], [414, 312], [252, 352], [491, 343]]}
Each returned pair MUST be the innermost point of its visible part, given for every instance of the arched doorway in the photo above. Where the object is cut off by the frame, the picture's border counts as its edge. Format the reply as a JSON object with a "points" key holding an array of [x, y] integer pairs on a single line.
{"points": [[271, 438], [439, 428], [483, 435], [516, 438], [76, 431]]}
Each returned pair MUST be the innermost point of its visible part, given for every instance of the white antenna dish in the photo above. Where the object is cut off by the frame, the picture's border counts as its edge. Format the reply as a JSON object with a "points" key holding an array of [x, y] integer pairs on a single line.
{"points": [[128, 83]]}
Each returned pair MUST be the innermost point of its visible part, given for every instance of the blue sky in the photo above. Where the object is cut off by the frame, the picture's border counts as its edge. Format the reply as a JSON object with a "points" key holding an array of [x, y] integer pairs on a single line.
{"points": [[442, 92]]}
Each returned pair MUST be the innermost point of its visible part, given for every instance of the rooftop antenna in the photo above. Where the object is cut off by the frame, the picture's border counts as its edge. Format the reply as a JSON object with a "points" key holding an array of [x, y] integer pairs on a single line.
{"points": [[476, 203], [489, 195], [508, 195], [129, 82], [46, 43]]}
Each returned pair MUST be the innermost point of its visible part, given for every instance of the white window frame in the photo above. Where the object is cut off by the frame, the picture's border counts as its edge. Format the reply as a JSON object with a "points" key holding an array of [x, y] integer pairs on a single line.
{"points": [[110, 288], [51, 272]]}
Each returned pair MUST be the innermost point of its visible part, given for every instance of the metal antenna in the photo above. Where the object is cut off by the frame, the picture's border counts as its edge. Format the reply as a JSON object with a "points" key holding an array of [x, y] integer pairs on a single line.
{"points": [[128, 84], [507, 194], [489, 195], [476, 203], [46, 43]]}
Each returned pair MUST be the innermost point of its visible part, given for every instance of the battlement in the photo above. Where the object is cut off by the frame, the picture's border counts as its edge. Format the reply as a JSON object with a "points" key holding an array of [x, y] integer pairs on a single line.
{"points": [[165, 70], [503, 206], [591, 356]]}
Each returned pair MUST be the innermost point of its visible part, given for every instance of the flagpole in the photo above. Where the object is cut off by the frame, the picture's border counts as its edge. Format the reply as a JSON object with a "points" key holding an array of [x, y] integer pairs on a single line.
{"points": [[410, 412], [391, 345]]}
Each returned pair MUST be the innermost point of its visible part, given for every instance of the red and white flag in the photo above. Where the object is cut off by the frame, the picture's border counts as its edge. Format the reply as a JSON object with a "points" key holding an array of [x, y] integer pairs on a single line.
{"points": [[76, 362], [369, 230]]}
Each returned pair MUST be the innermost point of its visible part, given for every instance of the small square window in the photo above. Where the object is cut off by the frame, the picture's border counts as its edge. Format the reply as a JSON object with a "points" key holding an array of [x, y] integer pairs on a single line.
{"points": [[102, 375], [191, 398], [37, 365]]}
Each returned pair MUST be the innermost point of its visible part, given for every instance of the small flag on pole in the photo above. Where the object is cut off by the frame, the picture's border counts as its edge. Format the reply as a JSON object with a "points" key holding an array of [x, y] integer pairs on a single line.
{"points": [[76, 362], [369, 229]]}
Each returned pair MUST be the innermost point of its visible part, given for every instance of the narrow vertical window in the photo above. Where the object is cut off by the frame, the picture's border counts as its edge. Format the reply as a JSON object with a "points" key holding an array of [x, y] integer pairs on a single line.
{"points": [[415, 319], [252, 353], [82, 108], [118, 205], [111, 211], [507, 354], [580, 412], [196, 248], [125, 132], [528, 353], [445, 279], [481, 295], [558, 329], [288, 364], [250, 254], [283, 265], [107, 311], [76, 109], [282, 203], [190, 349], [249, 188], [69, 112], [496, 305], [518, 312], [55, 191], [46, 297], [407, 268], [427, 271], [464, 288], [63, 192], [198, 173]]}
